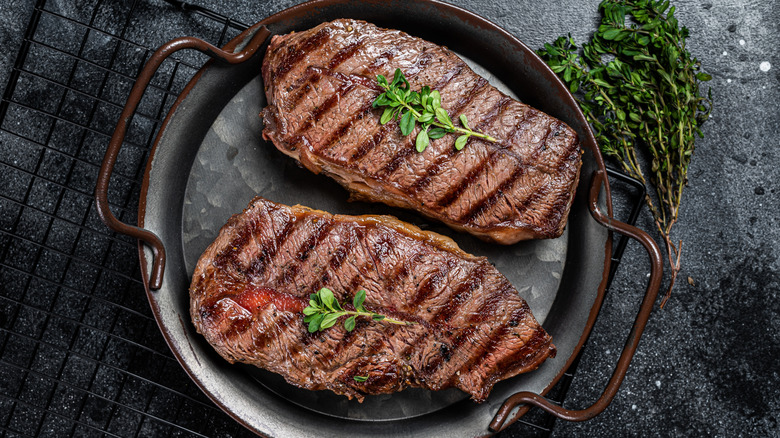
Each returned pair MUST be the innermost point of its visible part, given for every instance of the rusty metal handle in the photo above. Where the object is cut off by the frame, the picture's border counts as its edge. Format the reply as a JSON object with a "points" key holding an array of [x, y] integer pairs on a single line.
{"points": [[632, 342], [137, 92]]}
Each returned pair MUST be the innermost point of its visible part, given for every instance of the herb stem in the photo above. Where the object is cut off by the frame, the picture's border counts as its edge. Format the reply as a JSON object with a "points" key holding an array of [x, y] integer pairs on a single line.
{"points": [[324, 311], [417, 115], [639, 88], [423, 107], [370, 314]]}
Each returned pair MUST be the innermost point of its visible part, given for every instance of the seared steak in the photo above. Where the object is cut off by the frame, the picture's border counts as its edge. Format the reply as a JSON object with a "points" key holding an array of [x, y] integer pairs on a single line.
{"points": [[320, 85], [471, 328]]}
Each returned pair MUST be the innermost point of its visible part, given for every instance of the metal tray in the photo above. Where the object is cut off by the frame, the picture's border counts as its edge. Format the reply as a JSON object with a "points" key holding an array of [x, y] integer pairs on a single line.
{"points": [[209, 161]]}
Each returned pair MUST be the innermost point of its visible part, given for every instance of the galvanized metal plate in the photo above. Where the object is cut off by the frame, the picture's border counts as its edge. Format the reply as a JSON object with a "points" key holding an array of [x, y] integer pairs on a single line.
{"points": [[210, 161]]}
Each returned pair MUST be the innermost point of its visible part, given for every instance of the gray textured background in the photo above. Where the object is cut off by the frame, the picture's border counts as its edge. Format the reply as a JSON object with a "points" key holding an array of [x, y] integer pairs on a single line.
{"points": [[708, 363]]}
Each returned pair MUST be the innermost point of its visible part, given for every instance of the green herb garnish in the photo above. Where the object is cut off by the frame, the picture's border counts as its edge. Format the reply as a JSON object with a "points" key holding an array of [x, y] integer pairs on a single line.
{"points": [[360, 378], [423, 107], [639, 88], [324, 311]]}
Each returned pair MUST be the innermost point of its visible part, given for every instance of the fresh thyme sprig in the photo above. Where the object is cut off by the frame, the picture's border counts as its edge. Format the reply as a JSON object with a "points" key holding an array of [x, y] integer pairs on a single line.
{"points": [[423, 107], [639, 88], [324, 311]]}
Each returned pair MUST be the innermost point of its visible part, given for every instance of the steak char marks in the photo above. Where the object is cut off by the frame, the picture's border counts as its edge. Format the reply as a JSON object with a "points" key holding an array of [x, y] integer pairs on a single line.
{"points": [[320, 84], [471, 328]]}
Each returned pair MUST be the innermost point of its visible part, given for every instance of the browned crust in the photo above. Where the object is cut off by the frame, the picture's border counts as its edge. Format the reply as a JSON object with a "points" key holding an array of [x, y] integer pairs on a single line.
{"points": [[378, 186], [512, 340]]}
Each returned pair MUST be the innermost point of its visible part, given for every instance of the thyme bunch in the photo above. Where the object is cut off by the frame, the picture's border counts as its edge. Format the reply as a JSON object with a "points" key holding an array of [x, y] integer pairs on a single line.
{"points": [[638, 86]]}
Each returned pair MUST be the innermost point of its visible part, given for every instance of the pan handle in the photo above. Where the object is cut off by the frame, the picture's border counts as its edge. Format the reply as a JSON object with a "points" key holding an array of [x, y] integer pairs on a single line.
{"points": [[137, 92], [656, 273]]}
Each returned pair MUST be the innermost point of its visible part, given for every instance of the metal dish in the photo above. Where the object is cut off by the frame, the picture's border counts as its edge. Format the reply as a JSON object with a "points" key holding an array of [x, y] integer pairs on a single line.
{"points": [[209, 160]]}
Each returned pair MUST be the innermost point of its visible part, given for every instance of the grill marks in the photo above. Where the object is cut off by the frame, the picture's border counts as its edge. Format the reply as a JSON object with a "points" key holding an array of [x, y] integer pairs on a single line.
{"points": [[348, 84], [347, 52], [457, 301], [371, 143], [441, 318], [381, 60], [462, 294], [321, 229], [302, 88], [343, 129], [495, 339], [466, 184], [402, 272], [406, 149], [328, 115], [296, 53], [540, 190], [268, 253], [444, 159]]}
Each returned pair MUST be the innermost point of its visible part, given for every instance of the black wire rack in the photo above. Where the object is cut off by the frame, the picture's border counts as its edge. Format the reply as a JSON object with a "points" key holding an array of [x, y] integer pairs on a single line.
{"points": [[80, 353]]}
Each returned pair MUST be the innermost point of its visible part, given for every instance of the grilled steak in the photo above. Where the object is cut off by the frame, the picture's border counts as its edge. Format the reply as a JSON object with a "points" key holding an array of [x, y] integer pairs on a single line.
{"points": [[320, 85], [471, 328]]}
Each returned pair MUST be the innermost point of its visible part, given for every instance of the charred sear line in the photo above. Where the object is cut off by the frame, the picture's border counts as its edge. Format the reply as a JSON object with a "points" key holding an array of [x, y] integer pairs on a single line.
{"points": [[493, 114], [450, 75], [486, 203], [441, 162], [440, 319], [404, 151], [371, 346], [337, 258], [322, 229], [462, 293], [381, 60], [228, 256], [540, 191], [431, 284], [281, 321], [369, 144], [316, 114], [404, 269], [302, 87], [457, 190], [487, 310], [518, 360], [267, 254], [477, 354], [345, 53], [495, 341], [510, 139], [344, 128], [295, 54], [341, 92], [330, 355]]}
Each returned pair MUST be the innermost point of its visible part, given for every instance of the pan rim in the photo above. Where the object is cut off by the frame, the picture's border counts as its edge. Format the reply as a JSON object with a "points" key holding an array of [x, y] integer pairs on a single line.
{"points": [[303, 9]]}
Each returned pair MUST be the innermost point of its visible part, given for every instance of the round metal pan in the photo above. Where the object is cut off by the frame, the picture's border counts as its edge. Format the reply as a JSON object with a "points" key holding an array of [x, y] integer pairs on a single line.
{"points": [[209, 161]]}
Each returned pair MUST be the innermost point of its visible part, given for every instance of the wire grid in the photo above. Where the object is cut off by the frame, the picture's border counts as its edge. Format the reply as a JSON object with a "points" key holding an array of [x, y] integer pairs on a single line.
{"points": [[80, 353]]}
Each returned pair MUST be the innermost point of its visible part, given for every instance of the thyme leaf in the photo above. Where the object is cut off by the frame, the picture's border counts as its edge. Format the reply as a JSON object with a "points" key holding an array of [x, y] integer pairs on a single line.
{"points": [[423, 107], [324, 311]]}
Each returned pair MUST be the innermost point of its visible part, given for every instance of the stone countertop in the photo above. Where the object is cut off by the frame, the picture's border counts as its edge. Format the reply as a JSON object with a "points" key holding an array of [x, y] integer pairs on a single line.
{"points": [[708, 362]]}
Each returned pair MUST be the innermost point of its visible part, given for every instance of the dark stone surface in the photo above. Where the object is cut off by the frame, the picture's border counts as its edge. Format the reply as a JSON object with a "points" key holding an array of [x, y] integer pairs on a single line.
{"points": [[707, 364]]}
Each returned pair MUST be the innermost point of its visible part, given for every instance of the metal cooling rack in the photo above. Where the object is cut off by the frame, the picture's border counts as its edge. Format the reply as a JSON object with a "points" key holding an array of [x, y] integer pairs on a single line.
{"points": [[80, 353]]}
